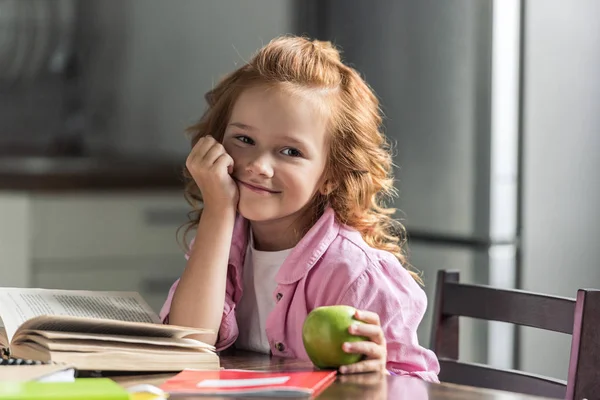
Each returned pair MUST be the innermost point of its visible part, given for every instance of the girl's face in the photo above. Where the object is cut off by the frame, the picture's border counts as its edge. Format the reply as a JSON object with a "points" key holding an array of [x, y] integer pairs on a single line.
{"points": [[279, 148]]}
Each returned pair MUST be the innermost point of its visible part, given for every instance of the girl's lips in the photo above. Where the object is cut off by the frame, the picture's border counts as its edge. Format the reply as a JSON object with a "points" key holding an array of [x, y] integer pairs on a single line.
{"points": [[257, 189]]}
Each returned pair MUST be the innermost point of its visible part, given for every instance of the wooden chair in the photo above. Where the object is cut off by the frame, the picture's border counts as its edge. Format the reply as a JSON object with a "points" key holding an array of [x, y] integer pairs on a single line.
{"points": [[579, 317]]}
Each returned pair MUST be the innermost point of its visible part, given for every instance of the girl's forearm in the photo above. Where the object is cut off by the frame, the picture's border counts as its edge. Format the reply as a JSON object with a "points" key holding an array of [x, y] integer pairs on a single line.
{"points": [[199, 298]]}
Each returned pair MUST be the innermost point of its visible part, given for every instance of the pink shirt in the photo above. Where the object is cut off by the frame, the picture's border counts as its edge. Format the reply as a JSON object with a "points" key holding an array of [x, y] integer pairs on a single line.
{"points": [[332, 265]]}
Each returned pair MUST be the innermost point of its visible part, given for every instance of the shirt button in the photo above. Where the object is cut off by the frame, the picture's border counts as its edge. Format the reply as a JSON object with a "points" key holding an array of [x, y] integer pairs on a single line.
{"points": [[279, 296], [279, 346]]}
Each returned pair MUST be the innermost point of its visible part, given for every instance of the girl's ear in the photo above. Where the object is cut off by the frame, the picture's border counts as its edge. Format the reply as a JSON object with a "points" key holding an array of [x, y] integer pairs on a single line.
{"points": [[327, 187]]}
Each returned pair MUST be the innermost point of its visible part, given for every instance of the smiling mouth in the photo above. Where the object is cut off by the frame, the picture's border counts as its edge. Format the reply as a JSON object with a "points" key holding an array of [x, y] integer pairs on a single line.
{"points": [[257, 189]]}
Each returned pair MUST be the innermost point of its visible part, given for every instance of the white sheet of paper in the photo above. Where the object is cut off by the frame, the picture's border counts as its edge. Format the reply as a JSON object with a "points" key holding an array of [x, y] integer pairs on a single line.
{"points": [[233, 383]]}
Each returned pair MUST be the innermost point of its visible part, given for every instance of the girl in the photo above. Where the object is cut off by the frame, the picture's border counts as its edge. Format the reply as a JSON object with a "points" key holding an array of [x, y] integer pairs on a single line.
{"points": [[291, 168]]}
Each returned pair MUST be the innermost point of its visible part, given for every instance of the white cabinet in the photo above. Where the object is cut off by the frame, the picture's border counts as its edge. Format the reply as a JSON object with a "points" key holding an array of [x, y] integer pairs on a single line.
{"points": [[15, 243], [93, 241]]}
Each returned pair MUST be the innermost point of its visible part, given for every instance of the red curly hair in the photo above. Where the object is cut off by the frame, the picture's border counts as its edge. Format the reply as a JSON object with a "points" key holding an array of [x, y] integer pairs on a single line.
{"points": [[359, 163]]}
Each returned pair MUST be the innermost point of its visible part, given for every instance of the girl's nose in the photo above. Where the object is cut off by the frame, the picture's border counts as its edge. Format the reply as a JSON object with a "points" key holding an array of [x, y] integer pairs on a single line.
{"points": [[260, 166]]}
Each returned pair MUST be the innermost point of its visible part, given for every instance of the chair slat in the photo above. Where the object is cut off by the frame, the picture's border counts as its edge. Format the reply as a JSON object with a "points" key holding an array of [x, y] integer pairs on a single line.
{"points": [[514, 306], [580, 317], [484, 376]]}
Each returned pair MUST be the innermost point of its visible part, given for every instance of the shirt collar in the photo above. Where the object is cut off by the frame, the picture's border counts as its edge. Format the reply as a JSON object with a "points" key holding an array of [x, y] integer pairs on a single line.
{"points": [[310, 249], [302, 258]]}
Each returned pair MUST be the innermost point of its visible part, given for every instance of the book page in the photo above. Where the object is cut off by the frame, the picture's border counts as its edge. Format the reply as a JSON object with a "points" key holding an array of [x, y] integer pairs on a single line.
{"points": [[56, 336], [85, 326], [3, 340], [18, 305], [131, 360], [97, 346]]}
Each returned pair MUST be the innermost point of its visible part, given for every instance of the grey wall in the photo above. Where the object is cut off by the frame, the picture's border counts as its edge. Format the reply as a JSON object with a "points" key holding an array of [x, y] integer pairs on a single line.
{"points": [[561, 173], [428, 62], [162, 56]]}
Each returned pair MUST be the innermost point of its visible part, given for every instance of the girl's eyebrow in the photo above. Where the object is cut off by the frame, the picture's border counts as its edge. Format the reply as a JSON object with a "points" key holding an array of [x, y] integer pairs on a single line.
{"points": [[294, 140], [243, 126]]}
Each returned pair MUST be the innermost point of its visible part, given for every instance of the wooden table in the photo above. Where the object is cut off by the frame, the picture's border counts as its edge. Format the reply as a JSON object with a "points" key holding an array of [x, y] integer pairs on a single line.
{"points": [[363, 386]]}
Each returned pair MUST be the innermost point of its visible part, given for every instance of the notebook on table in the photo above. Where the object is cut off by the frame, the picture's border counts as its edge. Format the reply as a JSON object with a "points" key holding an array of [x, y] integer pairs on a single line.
{"points": [[12, 372], [79, 389], [234, 382], [106, 331]]}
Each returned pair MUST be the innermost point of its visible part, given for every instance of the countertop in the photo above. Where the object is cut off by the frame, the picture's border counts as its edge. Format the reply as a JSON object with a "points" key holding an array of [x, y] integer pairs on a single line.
{"points": [[50, 173]]}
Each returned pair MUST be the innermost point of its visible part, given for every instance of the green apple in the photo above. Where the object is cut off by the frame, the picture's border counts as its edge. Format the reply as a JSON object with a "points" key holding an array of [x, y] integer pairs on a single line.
{"points": [[324, 332]]}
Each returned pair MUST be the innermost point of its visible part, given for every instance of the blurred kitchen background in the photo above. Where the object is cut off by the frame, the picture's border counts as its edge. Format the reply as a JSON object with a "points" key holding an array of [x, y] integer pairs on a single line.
{"points": [[493, 106]]}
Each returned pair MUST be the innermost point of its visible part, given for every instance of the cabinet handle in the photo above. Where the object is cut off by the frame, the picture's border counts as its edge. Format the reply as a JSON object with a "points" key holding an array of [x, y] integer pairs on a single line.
{"points": [[165, 216]]}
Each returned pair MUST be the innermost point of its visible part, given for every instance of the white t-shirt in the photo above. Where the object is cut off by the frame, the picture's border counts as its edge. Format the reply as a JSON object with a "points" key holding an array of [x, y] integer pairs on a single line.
{"points": [[260, 268]]}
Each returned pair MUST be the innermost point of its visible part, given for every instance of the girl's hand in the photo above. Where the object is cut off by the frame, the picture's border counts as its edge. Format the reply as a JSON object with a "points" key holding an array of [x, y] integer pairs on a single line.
{"points": [[211, 167], [374, 349]]}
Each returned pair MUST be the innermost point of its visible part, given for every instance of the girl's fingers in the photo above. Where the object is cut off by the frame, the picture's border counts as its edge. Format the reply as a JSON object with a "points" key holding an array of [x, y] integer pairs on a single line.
{"points": [[224, 161], [369, 349], [363, 366], [212, 154], [199, 150], [367, 316], [373, 332], [203, 144], [373, 349]]}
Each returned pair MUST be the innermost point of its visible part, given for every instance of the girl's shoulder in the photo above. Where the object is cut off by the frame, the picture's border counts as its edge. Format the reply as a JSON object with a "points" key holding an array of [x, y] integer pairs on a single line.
{"points": [[350, 267], [351, 242], [349, 257]]}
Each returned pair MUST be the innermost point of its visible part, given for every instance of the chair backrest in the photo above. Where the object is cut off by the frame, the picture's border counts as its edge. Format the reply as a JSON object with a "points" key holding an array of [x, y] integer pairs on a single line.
{"points": [[579, 317]]}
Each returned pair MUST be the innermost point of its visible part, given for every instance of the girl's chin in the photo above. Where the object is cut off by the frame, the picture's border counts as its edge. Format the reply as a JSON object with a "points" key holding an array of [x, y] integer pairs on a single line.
{"points": [[256, 213]]}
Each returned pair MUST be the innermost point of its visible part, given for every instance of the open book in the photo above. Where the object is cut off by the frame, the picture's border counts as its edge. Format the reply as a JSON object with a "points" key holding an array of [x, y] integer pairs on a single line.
{"points": [[109, 331]]}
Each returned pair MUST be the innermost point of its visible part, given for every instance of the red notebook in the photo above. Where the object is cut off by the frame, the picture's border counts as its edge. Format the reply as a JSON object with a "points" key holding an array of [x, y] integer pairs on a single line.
{"points": [[232, 382]]}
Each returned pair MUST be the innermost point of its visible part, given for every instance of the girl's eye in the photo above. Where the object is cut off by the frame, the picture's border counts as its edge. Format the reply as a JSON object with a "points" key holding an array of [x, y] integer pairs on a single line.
{"points": [[290, 151], [244, 139]]}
